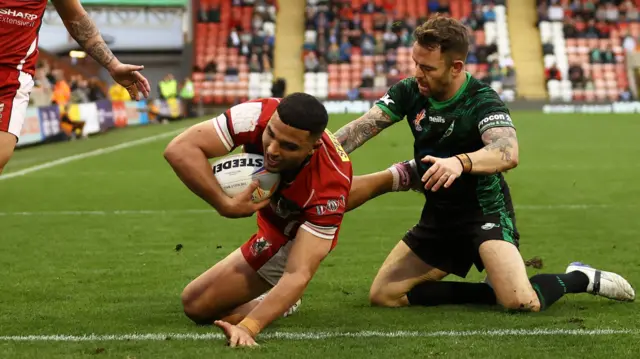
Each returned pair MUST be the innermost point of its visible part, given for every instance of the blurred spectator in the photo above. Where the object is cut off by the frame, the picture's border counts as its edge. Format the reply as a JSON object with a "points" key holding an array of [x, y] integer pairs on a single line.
{"points": [[311, 62], [118, 93], [576, 76], [96, 92], [168, 87], [61, 89], [553, 73]]}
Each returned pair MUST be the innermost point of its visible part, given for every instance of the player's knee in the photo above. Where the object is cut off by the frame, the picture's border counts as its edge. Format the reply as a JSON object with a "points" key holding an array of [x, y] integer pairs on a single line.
{"points": [[381, 297], [525, 302], [193, 309]]}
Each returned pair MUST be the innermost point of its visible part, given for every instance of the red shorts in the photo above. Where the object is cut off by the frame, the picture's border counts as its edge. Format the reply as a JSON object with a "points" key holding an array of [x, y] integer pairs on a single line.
{"points": [[15, 87], [267, 252]]}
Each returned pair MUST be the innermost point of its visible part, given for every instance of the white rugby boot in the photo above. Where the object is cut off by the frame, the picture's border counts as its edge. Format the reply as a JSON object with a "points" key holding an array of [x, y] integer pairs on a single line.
{"points": [[293, 309], [605, 284]]}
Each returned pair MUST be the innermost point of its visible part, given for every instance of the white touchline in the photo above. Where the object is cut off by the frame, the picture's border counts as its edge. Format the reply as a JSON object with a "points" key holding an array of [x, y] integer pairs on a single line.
{"points": [[84, 155], [126, 212], [319, 335]]}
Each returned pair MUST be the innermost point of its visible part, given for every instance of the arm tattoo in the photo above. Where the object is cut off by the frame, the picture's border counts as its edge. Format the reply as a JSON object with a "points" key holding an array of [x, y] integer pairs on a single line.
{"points": [[85, 32], [356, 133], [501, 139]]}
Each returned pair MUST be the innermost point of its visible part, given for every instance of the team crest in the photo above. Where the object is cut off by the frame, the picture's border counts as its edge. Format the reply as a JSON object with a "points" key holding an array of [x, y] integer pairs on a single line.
{"points": [[259, 246], [419, 117]]}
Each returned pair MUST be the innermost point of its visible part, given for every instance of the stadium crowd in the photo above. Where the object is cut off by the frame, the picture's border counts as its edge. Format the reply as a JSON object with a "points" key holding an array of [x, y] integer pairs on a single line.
{"points": [[374, 40], [598, 34]]}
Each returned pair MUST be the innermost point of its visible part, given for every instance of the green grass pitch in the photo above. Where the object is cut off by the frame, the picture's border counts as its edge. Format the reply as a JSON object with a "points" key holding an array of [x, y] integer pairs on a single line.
{"points": [[88, 247]]}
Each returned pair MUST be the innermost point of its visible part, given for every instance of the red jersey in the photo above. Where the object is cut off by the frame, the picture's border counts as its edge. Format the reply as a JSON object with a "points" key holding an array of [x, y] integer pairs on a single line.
{"points": [[316, 199], [20, 22]]}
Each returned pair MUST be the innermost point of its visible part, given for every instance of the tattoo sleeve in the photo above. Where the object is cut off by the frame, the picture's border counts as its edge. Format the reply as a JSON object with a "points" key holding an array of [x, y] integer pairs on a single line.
{"points": [[356, 133], [85, 32], [501, 139]]}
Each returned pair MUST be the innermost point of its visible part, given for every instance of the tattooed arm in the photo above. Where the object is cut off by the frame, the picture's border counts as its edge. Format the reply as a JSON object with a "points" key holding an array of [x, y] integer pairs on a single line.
{"points": [[84, 31], [499, 154], [357, 132]]}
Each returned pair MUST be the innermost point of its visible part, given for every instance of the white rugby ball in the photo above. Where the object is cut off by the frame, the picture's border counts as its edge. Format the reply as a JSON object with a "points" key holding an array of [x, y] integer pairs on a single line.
{"points": [[236, 172]]}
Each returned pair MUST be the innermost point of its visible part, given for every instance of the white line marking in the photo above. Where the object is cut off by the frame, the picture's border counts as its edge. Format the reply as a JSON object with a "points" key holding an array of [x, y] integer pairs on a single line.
{"points": [[318, 335], [100, 151], [365, 208]]}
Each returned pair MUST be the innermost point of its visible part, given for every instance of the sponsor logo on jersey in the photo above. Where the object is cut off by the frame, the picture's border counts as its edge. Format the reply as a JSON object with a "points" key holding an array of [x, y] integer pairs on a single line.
{"points": [[235, 163], [419, 117], [18, 14], [436, 119], [495, 120], [259, 246], [321, 209], [487, 226], [1, 110], [341, 152]]}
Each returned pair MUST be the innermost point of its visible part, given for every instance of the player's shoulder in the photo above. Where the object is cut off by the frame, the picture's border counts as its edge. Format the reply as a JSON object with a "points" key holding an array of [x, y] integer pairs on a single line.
{"points": [[249, 115], [480, 93], [332, 169]]}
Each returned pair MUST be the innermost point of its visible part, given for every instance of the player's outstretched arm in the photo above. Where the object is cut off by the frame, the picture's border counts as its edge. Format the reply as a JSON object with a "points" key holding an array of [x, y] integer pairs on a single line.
{"points": [[82, 28], [357, 132], [305, 257], [188, 155], [499, 154]]}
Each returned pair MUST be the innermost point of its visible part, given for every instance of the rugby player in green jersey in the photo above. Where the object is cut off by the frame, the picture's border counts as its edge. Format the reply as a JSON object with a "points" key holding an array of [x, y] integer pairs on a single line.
{"points": [[464, 141]]}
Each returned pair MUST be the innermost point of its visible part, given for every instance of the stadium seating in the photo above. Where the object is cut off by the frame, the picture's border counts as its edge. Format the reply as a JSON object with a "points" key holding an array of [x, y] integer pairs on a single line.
{"points": [[233, 50], [584, 49], [373, 49]]}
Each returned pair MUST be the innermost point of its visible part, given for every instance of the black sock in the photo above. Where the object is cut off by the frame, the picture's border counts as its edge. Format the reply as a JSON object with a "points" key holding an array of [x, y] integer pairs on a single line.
{"points": [[437, 293], [551, 287]]}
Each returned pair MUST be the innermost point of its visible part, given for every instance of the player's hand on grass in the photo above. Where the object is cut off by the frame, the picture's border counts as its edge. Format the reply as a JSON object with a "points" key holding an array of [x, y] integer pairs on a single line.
{"points": [[242, 205], [236, 335], [442, 172]]}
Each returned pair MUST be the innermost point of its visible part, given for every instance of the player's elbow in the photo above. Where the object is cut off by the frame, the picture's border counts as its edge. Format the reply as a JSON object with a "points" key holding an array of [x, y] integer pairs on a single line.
{"points": [[513, 162]]}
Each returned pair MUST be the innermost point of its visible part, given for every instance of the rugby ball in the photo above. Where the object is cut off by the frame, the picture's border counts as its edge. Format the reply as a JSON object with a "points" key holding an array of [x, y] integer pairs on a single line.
{"points": [[236, 172]]}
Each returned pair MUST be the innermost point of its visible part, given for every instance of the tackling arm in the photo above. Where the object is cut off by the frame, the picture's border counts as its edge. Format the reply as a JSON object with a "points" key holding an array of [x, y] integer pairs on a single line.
{"points": [[357, 132], [499, 154], [85, 32], [188, 155], [305, 257]]}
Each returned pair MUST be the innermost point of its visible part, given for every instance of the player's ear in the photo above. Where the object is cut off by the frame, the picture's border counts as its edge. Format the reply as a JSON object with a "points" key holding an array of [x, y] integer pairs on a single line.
{"points": [[457, 67]]}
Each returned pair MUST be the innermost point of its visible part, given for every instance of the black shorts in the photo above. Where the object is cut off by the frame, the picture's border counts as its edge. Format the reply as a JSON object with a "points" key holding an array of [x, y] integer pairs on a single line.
{"points": [[450, 242]]}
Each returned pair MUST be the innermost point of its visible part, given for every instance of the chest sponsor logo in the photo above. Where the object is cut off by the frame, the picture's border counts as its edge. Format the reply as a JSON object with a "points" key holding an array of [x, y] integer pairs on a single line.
{"points": [[436, 119], [18, 14]]}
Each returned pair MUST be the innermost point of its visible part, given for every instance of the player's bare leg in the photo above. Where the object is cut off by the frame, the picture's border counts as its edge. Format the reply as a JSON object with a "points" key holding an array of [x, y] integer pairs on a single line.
{"points": [[508, 276], [401, 271], [225, 291], [7, 145], [400, 176]]}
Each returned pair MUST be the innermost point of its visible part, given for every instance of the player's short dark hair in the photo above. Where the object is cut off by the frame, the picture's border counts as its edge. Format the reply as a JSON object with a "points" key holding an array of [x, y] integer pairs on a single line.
{"points": [[304, 112], [445, 33]]}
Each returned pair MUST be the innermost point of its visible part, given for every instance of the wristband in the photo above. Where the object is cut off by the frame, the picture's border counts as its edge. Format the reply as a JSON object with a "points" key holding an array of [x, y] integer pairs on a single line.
{"points": [[252, 326], [466, 163]]}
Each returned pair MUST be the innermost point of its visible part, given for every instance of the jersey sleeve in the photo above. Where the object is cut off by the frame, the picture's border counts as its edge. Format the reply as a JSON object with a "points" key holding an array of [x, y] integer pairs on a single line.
{"points": [[323, 215], [491, 112], [395, 101], [237, 125]]}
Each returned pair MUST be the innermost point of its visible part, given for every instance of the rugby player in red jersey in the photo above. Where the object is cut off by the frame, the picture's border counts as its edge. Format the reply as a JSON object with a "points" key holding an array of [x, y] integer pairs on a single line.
{"points": [[297, 227], [20, 22]]}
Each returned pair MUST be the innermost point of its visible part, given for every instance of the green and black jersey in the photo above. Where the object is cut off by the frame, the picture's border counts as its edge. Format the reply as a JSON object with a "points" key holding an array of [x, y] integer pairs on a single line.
{"points": [[445, 129]]}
